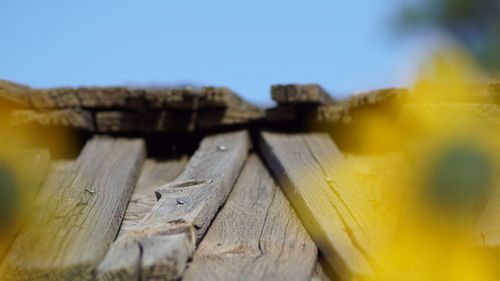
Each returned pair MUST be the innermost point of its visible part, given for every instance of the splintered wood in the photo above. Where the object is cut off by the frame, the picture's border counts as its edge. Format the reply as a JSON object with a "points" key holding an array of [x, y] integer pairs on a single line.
{"points": [[256, 236], [153, 175], [78, 213], [159, 246]]}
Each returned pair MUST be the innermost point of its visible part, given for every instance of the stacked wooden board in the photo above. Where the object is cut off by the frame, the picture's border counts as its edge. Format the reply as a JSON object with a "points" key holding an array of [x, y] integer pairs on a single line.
{"points": [[122, 109], [218, 214]]}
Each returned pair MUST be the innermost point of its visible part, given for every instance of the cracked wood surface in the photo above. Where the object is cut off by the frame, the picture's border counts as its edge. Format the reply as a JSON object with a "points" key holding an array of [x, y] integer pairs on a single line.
{"points": [[159, 246], [256, 235], [305, 166], [78, 213], [154, 174]]}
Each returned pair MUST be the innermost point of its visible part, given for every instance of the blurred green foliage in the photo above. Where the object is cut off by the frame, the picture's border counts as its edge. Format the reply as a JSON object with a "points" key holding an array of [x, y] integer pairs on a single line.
{"points": [[473, 23], [460, 177]]}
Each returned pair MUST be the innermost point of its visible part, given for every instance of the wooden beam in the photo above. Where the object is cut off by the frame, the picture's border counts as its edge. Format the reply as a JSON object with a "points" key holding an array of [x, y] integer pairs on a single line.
{"points": [[79, 214], [72, 118], [160, 245], [256, 229], [300, 94], [305, 165]]}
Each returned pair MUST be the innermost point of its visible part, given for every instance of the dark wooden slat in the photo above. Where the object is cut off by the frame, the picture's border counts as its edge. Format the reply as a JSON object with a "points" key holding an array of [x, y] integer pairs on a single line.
{"points": [[305, 166], [160, 245], [300, 94], [79, 214], [256, 236], [124, 121], [72, 118], [153, 175], [214, 118]]}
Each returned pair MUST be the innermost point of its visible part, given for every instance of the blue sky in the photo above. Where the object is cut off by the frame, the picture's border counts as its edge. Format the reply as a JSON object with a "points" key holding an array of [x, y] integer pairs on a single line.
{"points": [[344, 45]]}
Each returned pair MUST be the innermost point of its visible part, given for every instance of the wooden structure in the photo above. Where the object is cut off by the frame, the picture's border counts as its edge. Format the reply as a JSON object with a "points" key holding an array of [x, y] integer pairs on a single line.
{"points": [[259, 198]]}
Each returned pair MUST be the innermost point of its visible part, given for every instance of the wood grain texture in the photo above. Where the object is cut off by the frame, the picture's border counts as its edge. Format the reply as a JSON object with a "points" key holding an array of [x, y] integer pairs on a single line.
{"points": [[30, 168], [305, 166], [78, 214], [256, 236], [14, 94], [153, 175], [106, 97], [300, 94], [73, 118], [159, 246]]}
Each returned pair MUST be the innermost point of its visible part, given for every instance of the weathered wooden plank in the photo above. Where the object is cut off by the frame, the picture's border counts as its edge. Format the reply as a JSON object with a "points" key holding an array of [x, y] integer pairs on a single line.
{"points": [[256, 236], [213, 118], [223, 98], [106, 97], [153, 175], [29, 168], [79, 213], [376, 97], [305, 165], [132, 121], [300, 94], [73, 118], [182, 98], [15, 94], [159, 247]]}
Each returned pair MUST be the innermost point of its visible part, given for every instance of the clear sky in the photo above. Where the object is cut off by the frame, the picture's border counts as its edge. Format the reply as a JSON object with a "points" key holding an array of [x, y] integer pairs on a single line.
{"points": [[343, 45]]}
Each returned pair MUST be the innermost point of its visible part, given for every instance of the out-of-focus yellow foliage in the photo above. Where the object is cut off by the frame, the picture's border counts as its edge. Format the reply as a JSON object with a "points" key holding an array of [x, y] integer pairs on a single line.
{"points": [[451, 156]]}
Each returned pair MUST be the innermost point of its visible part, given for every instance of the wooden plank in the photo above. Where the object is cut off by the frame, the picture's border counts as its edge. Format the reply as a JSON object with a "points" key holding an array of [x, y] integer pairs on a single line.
{"points": [[300, 94], [214, 118], [159, 247], [132, 121], [181, 98], [79, 213], [73, 118], [256, 236], [28, 169], [153, 175], [223, 98], [106, 97], [14, 94], [305, 165]]}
